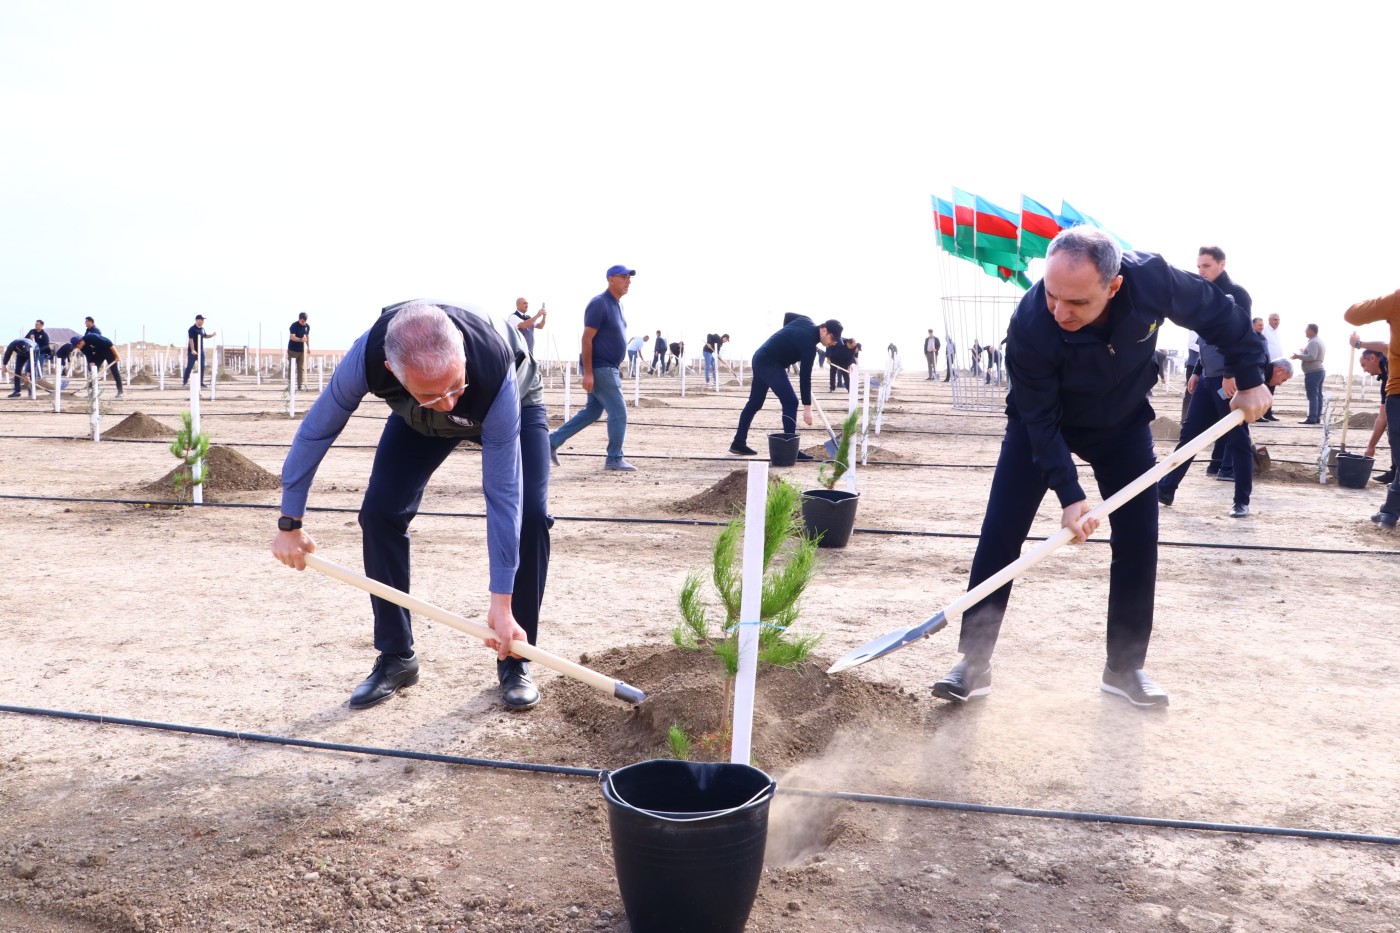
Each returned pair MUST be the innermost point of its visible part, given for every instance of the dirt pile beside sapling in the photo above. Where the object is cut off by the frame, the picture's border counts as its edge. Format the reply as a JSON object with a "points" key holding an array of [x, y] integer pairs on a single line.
{"points": [[654, 403], [141, 426], [798, 709], [1165, 429], [723, 498], [143, 378], [1363, 419], [226, 470]]}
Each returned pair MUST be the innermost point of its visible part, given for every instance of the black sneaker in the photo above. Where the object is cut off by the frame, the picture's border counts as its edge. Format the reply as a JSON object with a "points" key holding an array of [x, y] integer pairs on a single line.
{"points": [[1238, 510], [967, 679], [803, 455], [14, 394], [739, 450], [1166, 496], [1386, 478], [1134, 686], [1225, 477]]}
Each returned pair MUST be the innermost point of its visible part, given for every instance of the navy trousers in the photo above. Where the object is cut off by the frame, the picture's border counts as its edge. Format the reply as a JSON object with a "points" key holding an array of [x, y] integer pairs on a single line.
{"points": [[767, 376], [403, 464], [1018, 486], [1208, 407]]}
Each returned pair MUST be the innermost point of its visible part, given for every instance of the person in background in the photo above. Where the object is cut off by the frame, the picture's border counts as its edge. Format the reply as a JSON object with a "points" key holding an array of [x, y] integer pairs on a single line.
{"points": [[1376, 310], [1314, 374], [931, 347], [526, 323], [22, 351], [297, 343], [194, 350], [99, 351], [41, 340], [658, 356], [604, 344], [794, 344]]}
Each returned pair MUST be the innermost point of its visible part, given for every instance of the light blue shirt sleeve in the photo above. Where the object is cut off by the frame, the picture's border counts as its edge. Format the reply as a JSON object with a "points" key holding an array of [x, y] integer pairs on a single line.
{"points": [[503, 482], [320, 427]]}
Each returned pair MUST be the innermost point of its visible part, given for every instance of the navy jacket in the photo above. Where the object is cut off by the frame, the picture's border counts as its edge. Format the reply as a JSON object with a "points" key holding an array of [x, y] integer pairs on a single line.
{"points": [[796, 342], [1096, 379]]}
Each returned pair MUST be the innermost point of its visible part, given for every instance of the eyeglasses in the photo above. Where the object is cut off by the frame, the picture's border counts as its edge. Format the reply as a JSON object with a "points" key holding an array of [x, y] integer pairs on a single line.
{"points": [[445, 396]]}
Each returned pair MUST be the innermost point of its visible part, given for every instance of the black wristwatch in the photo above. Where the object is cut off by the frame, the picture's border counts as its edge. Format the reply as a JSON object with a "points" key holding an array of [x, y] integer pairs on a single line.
{"points": [[288, 524]]}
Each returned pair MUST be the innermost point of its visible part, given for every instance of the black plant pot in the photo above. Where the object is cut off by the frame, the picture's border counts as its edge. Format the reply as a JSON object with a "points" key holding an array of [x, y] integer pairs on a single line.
{"points": [[829, 515], [782, 449]]}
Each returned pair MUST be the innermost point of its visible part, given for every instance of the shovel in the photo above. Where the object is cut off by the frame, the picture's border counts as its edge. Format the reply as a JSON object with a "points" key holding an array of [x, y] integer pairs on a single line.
{"points": [[901, 637], [597, 681], [831, 444]]}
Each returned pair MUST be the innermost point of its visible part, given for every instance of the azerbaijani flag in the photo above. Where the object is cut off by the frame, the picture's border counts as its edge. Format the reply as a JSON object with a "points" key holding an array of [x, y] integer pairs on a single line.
{"points": [[1069, 217], [964, 216], [1038, 228], [943, 217], [995, 230]]}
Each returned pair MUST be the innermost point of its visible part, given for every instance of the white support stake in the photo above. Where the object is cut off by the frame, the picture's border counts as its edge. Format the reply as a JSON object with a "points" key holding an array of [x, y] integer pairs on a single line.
{"points": [[320, 374], [568, 367], [96, 406], [750, 610], [162, 371], [684, 368], [853, 383], [197, 489], [741, 374], [291, 391], [637, 385], [214, 380], [865, 425]]}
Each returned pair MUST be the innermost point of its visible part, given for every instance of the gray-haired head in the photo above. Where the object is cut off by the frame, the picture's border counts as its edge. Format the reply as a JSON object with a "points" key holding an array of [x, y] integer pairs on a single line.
{"points": [[1091, 245], [422, 338], [1284, 366]]}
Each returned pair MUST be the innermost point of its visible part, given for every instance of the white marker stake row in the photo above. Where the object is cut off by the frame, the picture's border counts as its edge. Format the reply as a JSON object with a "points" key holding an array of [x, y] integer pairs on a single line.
{"points": [[750, 610]]}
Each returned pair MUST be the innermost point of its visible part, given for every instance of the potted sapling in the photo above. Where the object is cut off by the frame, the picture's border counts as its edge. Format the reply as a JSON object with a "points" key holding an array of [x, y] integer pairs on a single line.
{"points": [[830, 513]]}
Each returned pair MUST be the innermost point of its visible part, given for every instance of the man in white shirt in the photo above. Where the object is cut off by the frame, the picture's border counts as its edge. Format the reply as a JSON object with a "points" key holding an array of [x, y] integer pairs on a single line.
{"points": [[1275, 342]]}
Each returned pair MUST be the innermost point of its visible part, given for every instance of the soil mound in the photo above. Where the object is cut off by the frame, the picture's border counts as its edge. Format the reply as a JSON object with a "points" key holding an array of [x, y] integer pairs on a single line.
{"points": [[143, 378], [1165, 429], [798, 710], [140, 425], [723, 498], [1364, 419], [654, 403], [227, 470], [1279, 472]]}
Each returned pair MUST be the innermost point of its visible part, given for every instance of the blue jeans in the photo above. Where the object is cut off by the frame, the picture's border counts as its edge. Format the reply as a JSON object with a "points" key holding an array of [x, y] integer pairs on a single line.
{"points": [[1312, 384], [1017, 488], [605, 397], [404, 461], [764, 376], [709, 367]]}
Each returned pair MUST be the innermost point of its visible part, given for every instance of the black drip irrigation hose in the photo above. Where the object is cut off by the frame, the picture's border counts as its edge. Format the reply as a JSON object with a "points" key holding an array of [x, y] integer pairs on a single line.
{"points": [[1071, 815], [698, 522]]}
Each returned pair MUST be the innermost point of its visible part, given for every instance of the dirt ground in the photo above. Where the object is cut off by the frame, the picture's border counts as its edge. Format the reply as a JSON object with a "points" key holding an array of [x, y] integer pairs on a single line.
{"points": [[1278, 657]]}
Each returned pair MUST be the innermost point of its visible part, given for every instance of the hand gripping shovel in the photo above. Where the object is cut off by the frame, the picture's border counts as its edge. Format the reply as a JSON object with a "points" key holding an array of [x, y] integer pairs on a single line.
{"points": [[832, 444], [898, 639], [578, 672]]}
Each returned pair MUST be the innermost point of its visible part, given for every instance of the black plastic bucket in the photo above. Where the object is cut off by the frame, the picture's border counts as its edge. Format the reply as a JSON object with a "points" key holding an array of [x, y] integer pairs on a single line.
{"points": [[1353, 470], [782, 449], [688, 840], [830, 514]]}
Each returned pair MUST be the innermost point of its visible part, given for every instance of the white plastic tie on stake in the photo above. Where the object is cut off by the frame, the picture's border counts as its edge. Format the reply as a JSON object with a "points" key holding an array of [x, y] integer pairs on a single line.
{"points": [[750, 610], [197, 489]]}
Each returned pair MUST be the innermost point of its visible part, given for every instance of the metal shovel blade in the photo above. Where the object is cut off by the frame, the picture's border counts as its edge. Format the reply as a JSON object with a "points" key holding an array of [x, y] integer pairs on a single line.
{"points": [[830, 447], [890, 642]]}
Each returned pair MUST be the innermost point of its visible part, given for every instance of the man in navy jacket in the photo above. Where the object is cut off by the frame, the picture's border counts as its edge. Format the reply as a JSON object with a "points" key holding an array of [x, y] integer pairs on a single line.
{"points": [[1079, 352], [796, 342]]}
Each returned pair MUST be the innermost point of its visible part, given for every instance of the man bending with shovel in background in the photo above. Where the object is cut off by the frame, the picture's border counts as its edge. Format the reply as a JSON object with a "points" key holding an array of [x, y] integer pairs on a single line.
{"points": [[450, 374], [1079, 353], [796, 342]]}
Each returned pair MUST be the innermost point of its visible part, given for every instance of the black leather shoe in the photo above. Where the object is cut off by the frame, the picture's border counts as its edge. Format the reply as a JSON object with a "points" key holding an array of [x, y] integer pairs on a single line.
{"points": [[969, 678], [803, 455], [391, 671], [518, 691], [1166, 496], [1386, 478], [1134, 686], [740, 450]]}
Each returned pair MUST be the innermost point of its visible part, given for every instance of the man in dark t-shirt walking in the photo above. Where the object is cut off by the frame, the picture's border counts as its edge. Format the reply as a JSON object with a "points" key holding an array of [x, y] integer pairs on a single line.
{"points": [[194, 350], [297, 343]]}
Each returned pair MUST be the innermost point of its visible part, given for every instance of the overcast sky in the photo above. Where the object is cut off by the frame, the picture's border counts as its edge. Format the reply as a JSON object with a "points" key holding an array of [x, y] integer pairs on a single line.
{"points": [[255, 160]]}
